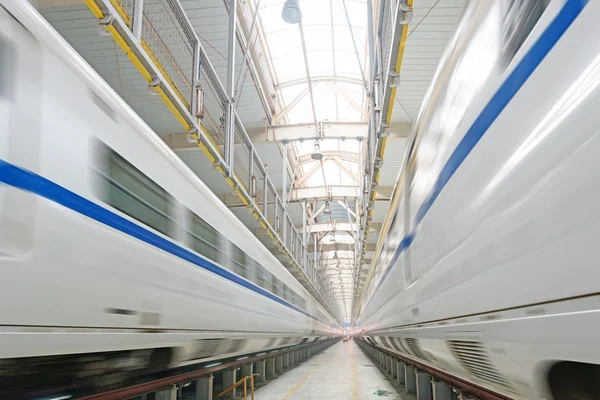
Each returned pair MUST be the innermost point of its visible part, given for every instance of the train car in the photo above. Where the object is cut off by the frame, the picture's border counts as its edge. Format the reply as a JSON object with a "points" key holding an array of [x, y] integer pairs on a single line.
{"points": [[489, 270], [109, 245]]}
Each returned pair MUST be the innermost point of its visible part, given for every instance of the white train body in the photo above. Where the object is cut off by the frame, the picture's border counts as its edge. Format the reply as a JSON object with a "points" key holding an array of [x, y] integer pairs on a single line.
{"points": [[489, 271], [78, 276]]}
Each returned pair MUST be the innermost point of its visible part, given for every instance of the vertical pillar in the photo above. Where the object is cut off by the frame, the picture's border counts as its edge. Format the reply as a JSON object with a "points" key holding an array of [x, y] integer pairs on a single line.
{"points": [[284, 195], [304, 233], [204, 388], [247, 370], [138, 19], [230, 116], [286, 360], [423, 386], [388, 363], [441, 391], [400, 372], [394, 369], [314, 251], [229, 378], [266, 195], [278, 364], [410, 379], [251, 181], [270, 367], [169, 394], [260, 370]]}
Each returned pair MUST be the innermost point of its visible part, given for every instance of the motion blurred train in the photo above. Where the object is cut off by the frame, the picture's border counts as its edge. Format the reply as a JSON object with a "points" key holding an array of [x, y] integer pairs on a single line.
{"points": [[490, 268], [109, 245]]}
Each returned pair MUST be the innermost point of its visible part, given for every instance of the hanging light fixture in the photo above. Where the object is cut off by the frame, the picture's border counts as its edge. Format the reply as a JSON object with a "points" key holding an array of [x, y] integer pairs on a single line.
{"points": [[291, 12], [327, 209], [316, 154]]}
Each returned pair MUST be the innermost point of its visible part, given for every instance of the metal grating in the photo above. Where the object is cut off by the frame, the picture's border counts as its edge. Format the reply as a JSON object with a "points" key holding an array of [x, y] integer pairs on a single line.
{"points": [[170, 44], [387, 36], [473, 356]]}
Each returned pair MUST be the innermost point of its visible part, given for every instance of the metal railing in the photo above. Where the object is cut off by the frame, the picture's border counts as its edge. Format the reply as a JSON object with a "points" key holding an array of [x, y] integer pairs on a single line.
{"points": [[386, 51], [243, 381], [160, 41]]}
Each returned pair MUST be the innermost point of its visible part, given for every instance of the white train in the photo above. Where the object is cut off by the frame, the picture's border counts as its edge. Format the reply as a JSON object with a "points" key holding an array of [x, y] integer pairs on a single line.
{"points": [[109, 244], [490, 270]]}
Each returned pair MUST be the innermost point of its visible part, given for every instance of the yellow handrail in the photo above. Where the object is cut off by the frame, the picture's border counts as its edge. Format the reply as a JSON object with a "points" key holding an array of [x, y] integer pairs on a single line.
{"points": [[238, 383]]}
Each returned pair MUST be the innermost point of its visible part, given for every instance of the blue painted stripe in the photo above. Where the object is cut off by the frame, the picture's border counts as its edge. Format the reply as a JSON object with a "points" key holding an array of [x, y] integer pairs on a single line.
{"points": [[492, 110], [28, 181]]}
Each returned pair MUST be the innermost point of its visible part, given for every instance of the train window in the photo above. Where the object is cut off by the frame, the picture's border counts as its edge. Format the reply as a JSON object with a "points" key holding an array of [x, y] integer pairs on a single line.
{"points": [[130, 191], [255, 271], [237, 260], [208, 242], [519, 20], [205, 239]]}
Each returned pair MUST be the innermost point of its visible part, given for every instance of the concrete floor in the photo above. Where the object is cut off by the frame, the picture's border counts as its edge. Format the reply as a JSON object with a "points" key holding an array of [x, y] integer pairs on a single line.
{"points": [[341, 372]]}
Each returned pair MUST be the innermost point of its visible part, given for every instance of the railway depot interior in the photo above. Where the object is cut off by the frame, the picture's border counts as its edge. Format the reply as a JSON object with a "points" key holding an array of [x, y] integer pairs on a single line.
{"points": [[299, 199]]}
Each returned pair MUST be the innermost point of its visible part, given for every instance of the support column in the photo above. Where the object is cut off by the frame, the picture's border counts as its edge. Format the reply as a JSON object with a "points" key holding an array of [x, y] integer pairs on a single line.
{"points": [[283, 196], [229, 378], [394, 371], [286, 360], [260, 370], [266, 196], [400, 372], [169, 394], [230, 114], [246, 370], [138, 19], [441, 391], [270, 367], [410, 379], [204, 388], [423, 386], [278, 364]]}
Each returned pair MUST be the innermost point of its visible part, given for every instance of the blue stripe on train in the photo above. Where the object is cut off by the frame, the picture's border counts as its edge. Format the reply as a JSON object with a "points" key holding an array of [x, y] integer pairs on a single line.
{"points": [[28, 181], [492, 110]]}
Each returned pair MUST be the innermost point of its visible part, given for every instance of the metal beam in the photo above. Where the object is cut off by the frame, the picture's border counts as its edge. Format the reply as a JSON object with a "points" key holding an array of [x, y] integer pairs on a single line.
{"points": [[337, 193], [323, 78], [298, 132], [342, 247], [349, 100], [337, 227], [281, 114]]}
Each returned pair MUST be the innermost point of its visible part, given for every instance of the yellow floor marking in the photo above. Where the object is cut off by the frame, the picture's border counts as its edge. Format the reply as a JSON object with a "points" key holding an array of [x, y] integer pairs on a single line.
{"points": [[291, 392]]}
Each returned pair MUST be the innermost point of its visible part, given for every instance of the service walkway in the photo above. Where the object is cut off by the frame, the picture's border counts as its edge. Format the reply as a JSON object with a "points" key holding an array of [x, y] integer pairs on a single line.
{"points": [[341, 372]]}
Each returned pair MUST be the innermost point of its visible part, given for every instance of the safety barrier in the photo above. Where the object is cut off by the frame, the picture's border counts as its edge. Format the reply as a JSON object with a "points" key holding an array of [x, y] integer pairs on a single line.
{"points": [[243, 381], [161, 43]]}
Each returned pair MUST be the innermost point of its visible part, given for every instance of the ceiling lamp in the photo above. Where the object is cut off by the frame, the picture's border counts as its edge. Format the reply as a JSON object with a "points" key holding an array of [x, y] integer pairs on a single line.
{"points": [[291, 12], [316, 154], [327, 209]]}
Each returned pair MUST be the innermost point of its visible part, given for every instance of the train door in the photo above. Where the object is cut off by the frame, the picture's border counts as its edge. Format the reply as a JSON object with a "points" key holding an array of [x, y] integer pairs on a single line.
{"points": [[20, 107]]}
